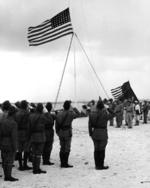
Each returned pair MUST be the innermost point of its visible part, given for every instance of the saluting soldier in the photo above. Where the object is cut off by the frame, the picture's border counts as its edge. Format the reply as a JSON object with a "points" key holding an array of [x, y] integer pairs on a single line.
{"points": [[22, 119], [37, 137], [49, 130], [98, 131], [8, 137], [64, 131]]}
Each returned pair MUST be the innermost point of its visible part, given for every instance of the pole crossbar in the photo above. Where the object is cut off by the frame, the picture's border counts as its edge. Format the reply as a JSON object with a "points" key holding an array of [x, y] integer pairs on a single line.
{"points": [[92, 66]]}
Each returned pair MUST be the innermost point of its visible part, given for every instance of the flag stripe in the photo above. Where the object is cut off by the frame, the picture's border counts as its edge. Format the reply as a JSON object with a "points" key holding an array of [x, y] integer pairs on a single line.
{"points": [[50, 33], [118, 91], [39, 43], [39, 30], [39, 39], [39, 26], [116, 88]]}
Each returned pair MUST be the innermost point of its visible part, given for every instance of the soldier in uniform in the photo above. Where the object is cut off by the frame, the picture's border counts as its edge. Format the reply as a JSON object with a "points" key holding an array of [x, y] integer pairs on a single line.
{"points": [[112, 108], [22, 119], [145, 111], [37, 137], [64, 131], [49, 135], [129, 113], [119, 113], [98, 131], [8, 139]]}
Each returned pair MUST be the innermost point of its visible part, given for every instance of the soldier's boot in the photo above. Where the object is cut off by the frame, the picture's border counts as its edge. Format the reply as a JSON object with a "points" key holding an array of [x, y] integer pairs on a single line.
{"points": [[66, 157], [96, 160], [7, 172], [101, 160], [36, 165], [46, 159], [20, 161], [25, 166], [38, 159], [61, 159]]}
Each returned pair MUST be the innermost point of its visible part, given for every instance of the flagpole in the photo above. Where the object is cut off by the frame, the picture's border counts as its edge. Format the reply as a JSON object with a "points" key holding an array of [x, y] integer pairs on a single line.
{"points": [[92, 66], [63, 70]]}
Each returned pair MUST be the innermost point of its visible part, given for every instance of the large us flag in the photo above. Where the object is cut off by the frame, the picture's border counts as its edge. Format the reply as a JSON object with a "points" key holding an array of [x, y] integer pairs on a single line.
{"points": [[124, 92], [52, 29]]}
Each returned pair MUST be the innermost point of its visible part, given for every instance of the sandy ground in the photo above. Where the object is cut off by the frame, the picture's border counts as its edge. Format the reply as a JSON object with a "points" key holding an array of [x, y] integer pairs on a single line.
{"points": [[127, 154]]}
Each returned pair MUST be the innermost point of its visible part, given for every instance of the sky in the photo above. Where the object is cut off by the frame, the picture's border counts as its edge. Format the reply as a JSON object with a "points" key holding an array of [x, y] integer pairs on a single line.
{"points": [[115, 35]]}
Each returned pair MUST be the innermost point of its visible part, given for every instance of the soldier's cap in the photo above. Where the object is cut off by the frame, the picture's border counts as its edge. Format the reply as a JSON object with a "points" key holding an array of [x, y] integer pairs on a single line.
{"points": [[67, 104], [23, 104], [12, 110], [6, 105], [39, 107], [48, 105]]}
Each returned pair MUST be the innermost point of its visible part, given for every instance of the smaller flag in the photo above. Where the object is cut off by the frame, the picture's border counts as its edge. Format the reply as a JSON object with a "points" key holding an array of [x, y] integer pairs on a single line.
{"points": [[52, 29], [124, 92]]}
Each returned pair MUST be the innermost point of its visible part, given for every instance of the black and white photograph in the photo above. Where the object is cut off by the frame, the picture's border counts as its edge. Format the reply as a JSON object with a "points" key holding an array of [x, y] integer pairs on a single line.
{"points": [[74, 94]]}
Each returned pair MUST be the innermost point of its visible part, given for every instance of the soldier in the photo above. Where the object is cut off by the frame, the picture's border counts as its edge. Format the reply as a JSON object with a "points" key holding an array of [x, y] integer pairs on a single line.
{"points": [[8, 135], [112, 108], [22, 119], [129, 113], [98, 131], [145, 111], [5, 107], [137, 112], [119, 113], [64, 131], [37, 137], [49, 135]]}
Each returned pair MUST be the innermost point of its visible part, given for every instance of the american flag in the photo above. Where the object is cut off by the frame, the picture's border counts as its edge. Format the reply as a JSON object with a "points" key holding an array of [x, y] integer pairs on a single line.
{"points": [[124, 92], [52, 29]]}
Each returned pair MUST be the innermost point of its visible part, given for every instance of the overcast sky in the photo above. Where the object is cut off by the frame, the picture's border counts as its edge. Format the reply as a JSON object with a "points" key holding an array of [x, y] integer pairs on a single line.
{"points": [[115, 35]]}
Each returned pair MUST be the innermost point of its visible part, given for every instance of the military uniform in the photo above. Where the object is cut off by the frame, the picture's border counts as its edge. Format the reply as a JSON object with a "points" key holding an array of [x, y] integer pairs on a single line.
{"points": [[64, 131], [145, 111], [98, 131], [129, 114], [22, 119], [37, 139], [8, 140], [49, 132], [119, 114]]}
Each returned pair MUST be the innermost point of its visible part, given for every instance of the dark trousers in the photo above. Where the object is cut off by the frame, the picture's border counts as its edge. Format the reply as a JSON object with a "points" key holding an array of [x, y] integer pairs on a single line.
{"points": [[65, 144], [47, 150], [37, 150], [145, 117], [8, 158], [99, 152]]}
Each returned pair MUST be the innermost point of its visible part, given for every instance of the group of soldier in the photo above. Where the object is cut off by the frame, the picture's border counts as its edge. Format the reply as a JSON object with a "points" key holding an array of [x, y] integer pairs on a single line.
{"points": [[131, 111], [26, 132], [29, 132]]}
